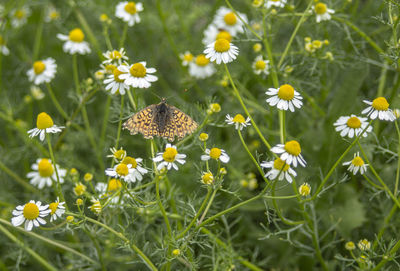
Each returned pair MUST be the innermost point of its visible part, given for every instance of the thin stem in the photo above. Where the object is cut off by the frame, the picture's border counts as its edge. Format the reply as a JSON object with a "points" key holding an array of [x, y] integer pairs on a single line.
{"points": [[383, 228], [105, 121], [21, 181], [396, 186], [134, 106], [160, 205], [56, 103], [388, 257], [38, 37], [208, 206], [120, 122], [107, 37], [274, 70], [282, 128], [53, 160], [372, 183], [123, 36]]}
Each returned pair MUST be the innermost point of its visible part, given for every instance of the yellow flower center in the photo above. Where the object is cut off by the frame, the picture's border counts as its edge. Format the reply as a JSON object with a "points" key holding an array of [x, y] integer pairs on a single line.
{"points": [[317, 44], [103, 17], [19, 14], [286, 92], [320, 8], [203, 137], [239, 118], [188, 57], [130, 160], [130, 8], [110, 68], [79, 189], [380, 104], [207, 178], [305, 189], [45, 168], [279, 164], [215, 153], [117, 73], [230, 18], [31, 211], [54, 15], [114, 185], [44, 121], [138, 70], [38, 67], [120, 154], [224, 35], [215, 107], [76, 35], [357, 161], [70, 218], [293, 147], [115, 54], [350, 245], [354, 122], [88, 177], [201, 60], [260, 65], [122, 170], [169, 154], [53, 207], [221, 45]]}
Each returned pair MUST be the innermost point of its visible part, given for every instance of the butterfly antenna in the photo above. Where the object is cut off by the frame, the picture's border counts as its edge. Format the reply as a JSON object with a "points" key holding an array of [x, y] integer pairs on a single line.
{"points": [[156, 95]]}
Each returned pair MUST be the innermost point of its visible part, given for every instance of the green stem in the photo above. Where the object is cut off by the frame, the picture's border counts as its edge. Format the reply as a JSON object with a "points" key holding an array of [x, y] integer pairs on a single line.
{"points": [[388, 257], [119, 123], [123, 36], [97, 247], [396, 186], [21, 181], [53, 161], [105, 121], [56, 103], [160, 205], [372, 183], [166, 30], [385, 224], [107, 37], [38, 37], [208, 206], [274, 70], [132, 99], [282, 128]]}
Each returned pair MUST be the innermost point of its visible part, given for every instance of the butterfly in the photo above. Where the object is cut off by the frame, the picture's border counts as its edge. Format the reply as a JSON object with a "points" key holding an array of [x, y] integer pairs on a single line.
{"points": [[161, 120]]}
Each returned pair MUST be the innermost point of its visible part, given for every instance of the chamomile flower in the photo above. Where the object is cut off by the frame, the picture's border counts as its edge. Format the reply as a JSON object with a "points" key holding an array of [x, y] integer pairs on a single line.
{"points": [[186, 58], [364, 244], [290, 153], [137, 169], [379, 108], [278, 167], [137, 75], [284, 98], [96, 206], [44, 125], [115, 56], [305, 189], [239, 121], [216, 154], [44, 173], [207, 178], [357, 164], [118, 155], [352, 126], [322, 12], [201, 68], [74, 42], [212, 33], [3, 48], [221, 51], [31, 213], [20, 16], [275, 3], [105, 190], [121, 171], [115, 84], [129, 12], [169, 157], [226, 19], [52, 14], [260, 65], [43, 71], [57, 209]]}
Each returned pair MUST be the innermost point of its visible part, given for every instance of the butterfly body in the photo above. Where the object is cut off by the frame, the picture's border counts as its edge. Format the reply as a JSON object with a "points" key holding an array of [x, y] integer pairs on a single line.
{"points": [[161, 120]]}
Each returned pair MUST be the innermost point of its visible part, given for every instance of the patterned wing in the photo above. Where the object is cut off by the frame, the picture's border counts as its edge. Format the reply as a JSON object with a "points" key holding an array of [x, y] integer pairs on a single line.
{"points": [[142, 122], [184, 125], [169, 131]]}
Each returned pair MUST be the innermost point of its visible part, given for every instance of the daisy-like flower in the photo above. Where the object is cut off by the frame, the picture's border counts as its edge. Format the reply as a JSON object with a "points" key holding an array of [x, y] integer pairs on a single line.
{"points": [[238, 121], [305, 189], [74, 42], [31, 213], [20, 16], [79, 189], [350, 245], [43, 71], [201, 68], [226, 19], [221, 51], [352, 126], [260, 65], [137, 75], [285, 97], [186, 58], [212, 33], [136, 167], [52, 14], [364, 244], [109, 189], [57, 209], [44, 173], [3, 48], [44, 125], [121, 171], [275, 3], [276, 167], [115, 56], [322, 12], [357, 164], [379, 108], [207, 178], [96, 206], [290, 153], [118, 155], [169, 157], [128, 12], [115, 84], [217, 154]]}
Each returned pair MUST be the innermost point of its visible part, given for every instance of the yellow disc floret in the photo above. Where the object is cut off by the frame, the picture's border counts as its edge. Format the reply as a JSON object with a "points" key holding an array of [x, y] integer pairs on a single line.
{"points": [[31, 211], [224, 35], [53, 207], [320, 8], [138, 70], [130, 160], [357, 161], [114, 184], [207, 178], [260, 65], [44, 121], [117, 73], [380, 104], [215, 153], [122, 169], [221, 45], [201, 60], [45, 168], [293, 147], [170, 154], [76, 35], [286, 92], [279, 164], [38, 67], [130, 8], [354, 122], [230, 18], [239, 118]]}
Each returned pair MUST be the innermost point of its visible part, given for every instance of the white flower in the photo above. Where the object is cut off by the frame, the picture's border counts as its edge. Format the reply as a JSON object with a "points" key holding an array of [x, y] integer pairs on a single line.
{"points": [[57, 209], [128, 12], [44, 173], [96, 206], [115, 56], [238, 121], [357, 164], [201, 68], [226, 19], [117, 155], [212, 33], [30, 213], [260, 65], [275, 3], [43, 71], [322, 12], [186, 58], [352, 126], [20, 16], [379, 108], [137, 75], [278, 167], [3, 48], [106, 190], [169, 157], [221, 51], [114, 83], [284, 98], [290, 153], [217, 154], [52, 14], [136, 169], [45, 125], [74, 42]]}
